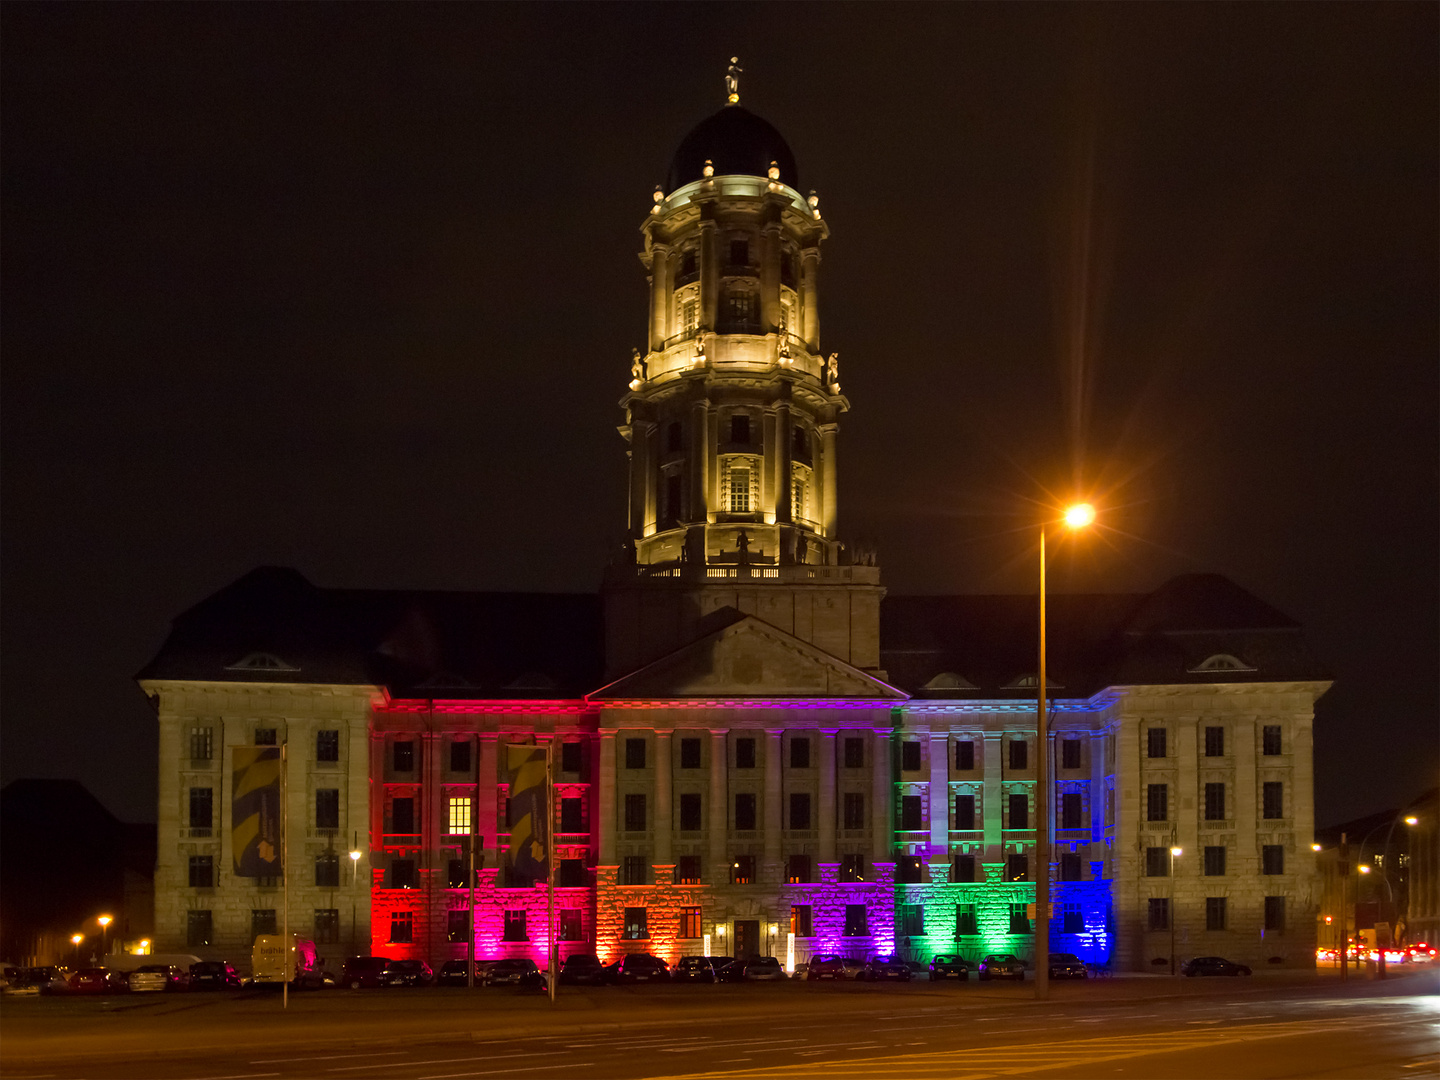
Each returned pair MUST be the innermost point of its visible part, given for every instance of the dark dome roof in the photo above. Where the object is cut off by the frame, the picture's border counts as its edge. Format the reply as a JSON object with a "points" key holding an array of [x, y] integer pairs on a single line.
{"points": [[738, 142]]}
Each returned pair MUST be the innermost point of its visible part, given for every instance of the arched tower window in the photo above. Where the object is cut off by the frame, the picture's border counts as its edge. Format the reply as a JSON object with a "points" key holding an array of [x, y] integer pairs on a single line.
{"points": [[800, 492], [738, 482]]}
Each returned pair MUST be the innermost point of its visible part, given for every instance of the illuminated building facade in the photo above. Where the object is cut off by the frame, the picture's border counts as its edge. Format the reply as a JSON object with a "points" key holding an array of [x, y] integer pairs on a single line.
{"points": [[757, 751]]}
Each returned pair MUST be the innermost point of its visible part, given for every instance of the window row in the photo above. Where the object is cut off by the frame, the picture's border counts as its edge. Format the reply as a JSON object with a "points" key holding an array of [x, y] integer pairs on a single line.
{"points": [[1157, 740], [200, 925], [1272, 801], [1160, 861], [202, 872], [202, 742], [1217, 914]]}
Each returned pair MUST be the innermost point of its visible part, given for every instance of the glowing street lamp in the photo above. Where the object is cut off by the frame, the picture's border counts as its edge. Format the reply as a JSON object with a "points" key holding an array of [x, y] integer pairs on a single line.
{"points": [[76, 939], [1175, 852], [105, 921], [1075, 517]]}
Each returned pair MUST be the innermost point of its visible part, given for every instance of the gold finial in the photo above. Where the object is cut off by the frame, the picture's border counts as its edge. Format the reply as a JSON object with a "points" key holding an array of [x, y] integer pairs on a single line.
{"points": [[732, 81]]}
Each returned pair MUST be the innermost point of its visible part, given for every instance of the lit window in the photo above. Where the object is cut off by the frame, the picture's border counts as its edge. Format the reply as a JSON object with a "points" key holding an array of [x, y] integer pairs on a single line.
{"points": [[572, 925], [458, 816], [799, 493], [514, 926], [690, 922], [801, 920], [857, 923], [635, 925], [738, 485], [402, 927]]}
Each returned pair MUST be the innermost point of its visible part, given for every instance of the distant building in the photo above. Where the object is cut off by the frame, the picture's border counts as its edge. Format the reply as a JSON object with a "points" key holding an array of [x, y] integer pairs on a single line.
{"points": [[753, 741]]}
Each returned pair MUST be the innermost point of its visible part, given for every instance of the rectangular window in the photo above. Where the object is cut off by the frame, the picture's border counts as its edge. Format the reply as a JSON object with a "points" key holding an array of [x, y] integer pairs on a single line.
{"points": [[635, 813], [458, 817], [687, 871], [403, 756], [852, 867], [744, 753], [570, 757], [1070, 869], [1017, 867], [402, 874], [198, 927], [402, 817], [327, 870], [1072, 921], [402, 928], [736, 496], [572, 926], [1070, 753], [1214, 802], [1155, 742], [910, 756], [689, 922], [202, 808], [1214, 742], [964, 756], [1157, 862], [964, 811], [689, 315], [909, 870], [912, 920], [854, 753], [1019, 919], [739, 428], [460, 756], [572, 816], [1157, 802], [854, 806], [455, 873], [966, 921], [911, 812], [634, 753], [1019, 811], [739, 252], [635, 928], [690, 812], [802, 922], [572, 874], [742, 870], [262, 921], [327, 808], [202, 746], [634, 871], [1274, 914], [962, 869], [744, 812], [1215, 860], [264, 736], [689, 753], [857, 922], [1070, 810], [799, 753], [1272, 859], [457, 924], [1215, 913], [327, 746], [202, 871], [1270, 740], [513, 928], [1159, 913], [1273, 799], [327, 926], [799, 810], [797, 870], [1019, 754]]}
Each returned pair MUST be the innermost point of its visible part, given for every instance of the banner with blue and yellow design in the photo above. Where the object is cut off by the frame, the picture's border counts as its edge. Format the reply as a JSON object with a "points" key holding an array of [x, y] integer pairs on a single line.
{"points": [[255, 811], [529, 854]]}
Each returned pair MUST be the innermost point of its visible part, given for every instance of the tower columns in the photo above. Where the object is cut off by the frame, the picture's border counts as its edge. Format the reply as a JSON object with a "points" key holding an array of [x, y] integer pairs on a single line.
{"points": [[828, 434], [659, 296], [770, 277], [783, 447], [698, 463], [709, 276], [810, 297]]}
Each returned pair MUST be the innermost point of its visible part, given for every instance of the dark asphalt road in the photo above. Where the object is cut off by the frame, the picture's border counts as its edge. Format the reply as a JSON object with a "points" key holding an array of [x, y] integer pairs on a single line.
{"points": [[1220, 1028]]}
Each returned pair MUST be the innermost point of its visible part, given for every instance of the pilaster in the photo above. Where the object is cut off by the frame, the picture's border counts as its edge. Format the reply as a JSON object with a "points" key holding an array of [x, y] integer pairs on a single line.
{"points": [[607, 799]]}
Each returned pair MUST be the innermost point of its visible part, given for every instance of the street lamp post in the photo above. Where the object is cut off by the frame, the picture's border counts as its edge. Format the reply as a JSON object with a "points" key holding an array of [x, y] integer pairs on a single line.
{"points": [[1076, 517], [76, 939], [354, 879], [104, 921], [1175, 852]]}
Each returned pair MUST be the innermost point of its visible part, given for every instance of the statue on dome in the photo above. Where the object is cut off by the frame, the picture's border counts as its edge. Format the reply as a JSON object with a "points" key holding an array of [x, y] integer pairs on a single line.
{"points": [[732, 81], [637, 368], [832, 372]]}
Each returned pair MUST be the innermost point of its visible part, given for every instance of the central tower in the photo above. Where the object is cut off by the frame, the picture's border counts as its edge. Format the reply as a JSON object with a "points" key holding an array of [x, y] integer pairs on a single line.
{"points": [[732, 414]]}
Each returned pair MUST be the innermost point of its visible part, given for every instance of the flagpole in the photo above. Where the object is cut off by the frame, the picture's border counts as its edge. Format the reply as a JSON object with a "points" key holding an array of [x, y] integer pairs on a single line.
{"points": [[285, 870], [550, 860], [470, 876]]}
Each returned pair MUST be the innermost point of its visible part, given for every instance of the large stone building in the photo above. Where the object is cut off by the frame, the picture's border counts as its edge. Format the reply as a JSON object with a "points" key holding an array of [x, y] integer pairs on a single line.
{"points": [[758, 750]]}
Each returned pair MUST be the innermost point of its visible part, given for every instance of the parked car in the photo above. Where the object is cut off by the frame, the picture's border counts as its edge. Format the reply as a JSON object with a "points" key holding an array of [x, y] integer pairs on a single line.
{"points": [[947, 965], [731, 972], [456, 973], [834, 967], [704, 969], [362, 972], [408, 973], [1212, 965], [1064, 965], [214, 975], [641, 968], [45, 980], [1001, 966], [582, 969], [516, 971], [764, 969], [98, 980], [159, 977], [883, 968]]}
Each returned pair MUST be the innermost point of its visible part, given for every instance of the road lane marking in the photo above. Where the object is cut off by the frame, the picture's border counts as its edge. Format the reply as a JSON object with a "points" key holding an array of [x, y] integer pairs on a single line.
{"points": [[507, 1072], [449, 1061], [330, 1057]]}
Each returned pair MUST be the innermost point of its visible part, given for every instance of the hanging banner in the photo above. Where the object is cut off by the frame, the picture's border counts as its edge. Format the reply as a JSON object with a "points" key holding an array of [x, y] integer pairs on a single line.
{"points": [[529, 855], [255, 811]]}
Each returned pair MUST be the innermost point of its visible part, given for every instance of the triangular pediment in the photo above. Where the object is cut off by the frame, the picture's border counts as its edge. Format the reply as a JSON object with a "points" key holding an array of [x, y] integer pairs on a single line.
{"points": [[749, 658]]}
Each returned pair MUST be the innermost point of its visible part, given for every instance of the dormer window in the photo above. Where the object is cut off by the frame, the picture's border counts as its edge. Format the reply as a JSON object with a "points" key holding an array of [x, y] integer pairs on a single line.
{"points": [[1222, 662], [740, 428]]}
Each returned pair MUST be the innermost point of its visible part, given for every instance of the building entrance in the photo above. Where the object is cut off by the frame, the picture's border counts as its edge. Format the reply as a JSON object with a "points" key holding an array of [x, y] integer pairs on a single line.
{"points": [[747, 939]]}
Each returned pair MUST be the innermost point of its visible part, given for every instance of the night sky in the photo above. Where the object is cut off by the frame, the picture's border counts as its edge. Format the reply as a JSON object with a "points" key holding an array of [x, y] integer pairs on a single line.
{"points": [[353, 288]]}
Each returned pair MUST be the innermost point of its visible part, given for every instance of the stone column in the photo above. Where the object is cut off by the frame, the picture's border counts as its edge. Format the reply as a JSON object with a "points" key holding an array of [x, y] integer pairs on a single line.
{"points": [[784, 443], [810, 297], [991, 797], [663, 821], [828, 433], [770, 277], [940, 796], [827, 797], [488, 808], [709, 276], [699, 509], [641, 468], [1247, 789], [1302, 812], [659, 296], [377, 790], [606, 838], [718, 818], [1096, 745], [882, 797], [1187, 800], [774, 743]]}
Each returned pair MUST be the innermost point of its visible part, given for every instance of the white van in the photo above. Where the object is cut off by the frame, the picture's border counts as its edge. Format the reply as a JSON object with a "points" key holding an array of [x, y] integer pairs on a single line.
{"points": [[270, 965]]}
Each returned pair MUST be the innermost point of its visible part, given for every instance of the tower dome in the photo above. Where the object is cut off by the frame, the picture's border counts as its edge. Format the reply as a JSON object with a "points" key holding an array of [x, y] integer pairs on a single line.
{"points": [[737, 143]]}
